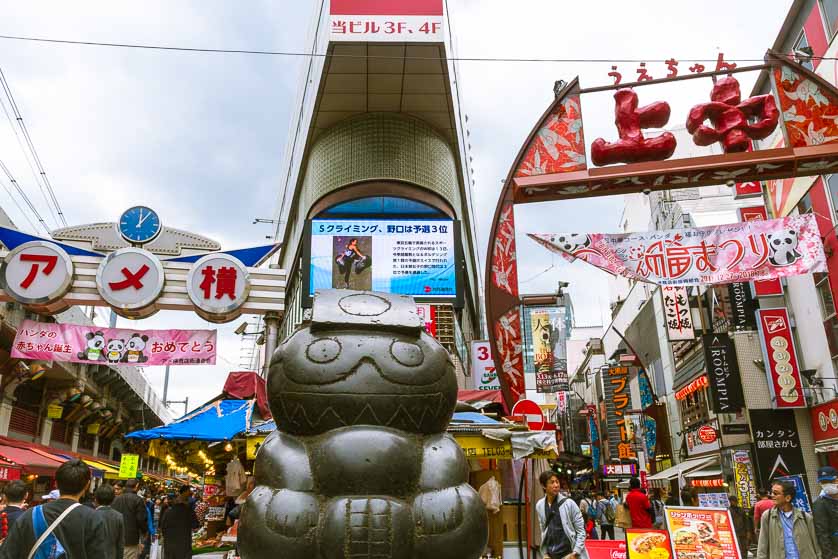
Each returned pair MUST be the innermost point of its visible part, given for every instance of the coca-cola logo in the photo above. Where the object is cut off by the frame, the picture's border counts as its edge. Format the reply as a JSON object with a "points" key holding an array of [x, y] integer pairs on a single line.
{"points": [[707, 434]]}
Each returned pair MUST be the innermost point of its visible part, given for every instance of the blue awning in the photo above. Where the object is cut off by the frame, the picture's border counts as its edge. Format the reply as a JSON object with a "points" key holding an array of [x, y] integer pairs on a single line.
{"points": [[263, 428], [473, 417], [221, 420]]}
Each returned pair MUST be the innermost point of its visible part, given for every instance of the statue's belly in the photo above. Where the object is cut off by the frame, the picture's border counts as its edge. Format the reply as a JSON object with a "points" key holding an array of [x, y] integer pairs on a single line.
{"points": [[366, 461]]}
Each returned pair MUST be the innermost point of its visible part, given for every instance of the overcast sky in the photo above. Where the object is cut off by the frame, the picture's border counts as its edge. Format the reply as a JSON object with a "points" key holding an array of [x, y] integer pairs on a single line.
{"points": [[200, 137]]}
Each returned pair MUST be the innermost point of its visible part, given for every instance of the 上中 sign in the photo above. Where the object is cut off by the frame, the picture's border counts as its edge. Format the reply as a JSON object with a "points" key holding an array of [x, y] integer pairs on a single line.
{"points": [[825, 422], [743, 478], [743, 306], [619, 470], [483, 367], [676, 310], [128, 465], [704, 255], [701, 532], [781, 365], [406, 257], [723, 372], [386, 20], [75, 343], [777, 444]]}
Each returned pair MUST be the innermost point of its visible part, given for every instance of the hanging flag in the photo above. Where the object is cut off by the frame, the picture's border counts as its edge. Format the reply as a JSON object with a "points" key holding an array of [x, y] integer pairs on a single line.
{"points": [[753, 250]]}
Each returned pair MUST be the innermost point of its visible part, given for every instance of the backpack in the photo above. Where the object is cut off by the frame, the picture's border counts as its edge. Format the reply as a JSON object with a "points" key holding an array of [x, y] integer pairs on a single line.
{"points": [[47, 546], [609, 513]]}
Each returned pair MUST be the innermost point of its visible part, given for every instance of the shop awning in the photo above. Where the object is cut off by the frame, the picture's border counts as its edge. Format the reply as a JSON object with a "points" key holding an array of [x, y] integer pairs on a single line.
{"points": [[477, 447], [481, 398], [473, 418], [31, 461], [110, 471], [221, 420], [704, 472], [682, 468]]}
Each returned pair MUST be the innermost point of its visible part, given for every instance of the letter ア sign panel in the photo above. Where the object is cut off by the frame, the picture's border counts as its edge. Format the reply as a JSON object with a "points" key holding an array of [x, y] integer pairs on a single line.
{"points": [[781, 363]]}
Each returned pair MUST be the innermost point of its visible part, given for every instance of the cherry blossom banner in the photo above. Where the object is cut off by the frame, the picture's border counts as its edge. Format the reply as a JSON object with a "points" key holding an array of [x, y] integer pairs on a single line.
{"points": [[88, 344], [753, 250]]}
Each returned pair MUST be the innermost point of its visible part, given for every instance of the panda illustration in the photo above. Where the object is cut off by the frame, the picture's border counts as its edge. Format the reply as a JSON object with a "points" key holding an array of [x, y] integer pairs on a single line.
{"points": [[134, 349], [783, 248], [115, 350], [572, 242], [94, 347]]}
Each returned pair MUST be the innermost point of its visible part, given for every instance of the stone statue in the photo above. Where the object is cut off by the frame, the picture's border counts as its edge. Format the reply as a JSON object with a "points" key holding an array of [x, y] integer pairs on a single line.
{"points": [[360, 466]]}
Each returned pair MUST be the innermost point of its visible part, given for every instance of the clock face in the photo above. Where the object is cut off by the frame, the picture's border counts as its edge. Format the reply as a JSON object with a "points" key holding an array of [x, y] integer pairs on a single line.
{"points": [[139, 224]]}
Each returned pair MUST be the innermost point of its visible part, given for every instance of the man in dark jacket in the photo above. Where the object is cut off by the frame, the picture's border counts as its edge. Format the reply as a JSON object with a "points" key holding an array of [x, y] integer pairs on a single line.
{"points": [[176, 527], [79, 533], [13, 496], [825, 512], [133, 512], [113, 525]]}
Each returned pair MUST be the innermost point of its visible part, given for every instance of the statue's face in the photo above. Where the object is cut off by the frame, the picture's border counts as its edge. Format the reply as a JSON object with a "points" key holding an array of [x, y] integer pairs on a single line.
{"points": [[335, 378]]}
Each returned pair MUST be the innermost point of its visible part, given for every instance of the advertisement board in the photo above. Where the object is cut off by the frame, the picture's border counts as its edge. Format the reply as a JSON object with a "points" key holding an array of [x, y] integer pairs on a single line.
{"points": [[703, 438], [713, 500], [702, 532], [743, 478], [416, 257], [548, 333], [605, 549], [722, 368], [743, 306], [676, 310], [777, 442], [483, 367], [781, 365], [643, 544], [769, 287], [825, 422], [386, 20], [617, 399]]}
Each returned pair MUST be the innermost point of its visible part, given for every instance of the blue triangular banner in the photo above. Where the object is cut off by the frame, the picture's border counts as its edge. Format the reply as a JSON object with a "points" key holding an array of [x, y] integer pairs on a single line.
{"points": [[250, 257], [12, 238]]}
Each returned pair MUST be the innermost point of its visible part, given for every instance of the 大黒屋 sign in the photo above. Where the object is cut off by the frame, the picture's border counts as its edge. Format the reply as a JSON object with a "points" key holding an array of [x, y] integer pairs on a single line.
{"points": [[50, 341], [753, 250]]}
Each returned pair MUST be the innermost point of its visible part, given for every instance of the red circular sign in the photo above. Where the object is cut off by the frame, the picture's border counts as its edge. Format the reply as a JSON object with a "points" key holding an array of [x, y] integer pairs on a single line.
{"points": [[531, 412], [707, 434]]}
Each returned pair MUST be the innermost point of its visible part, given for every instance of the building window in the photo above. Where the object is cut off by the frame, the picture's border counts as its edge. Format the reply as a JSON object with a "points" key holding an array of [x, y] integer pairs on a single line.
{"points": [[830, 317], [803, 42], [805, 205], [832, 187], [694, 409], [829, 10]]}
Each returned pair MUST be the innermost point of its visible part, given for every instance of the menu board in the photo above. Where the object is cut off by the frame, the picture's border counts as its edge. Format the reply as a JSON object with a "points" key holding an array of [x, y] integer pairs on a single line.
{"points": [[648, 544], [701, 533], [713, 500]]}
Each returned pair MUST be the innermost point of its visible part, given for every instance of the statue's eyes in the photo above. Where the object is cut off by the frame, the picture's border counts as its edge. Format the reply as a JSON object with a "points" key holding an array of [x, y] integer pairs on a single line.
{"points": [[408, 354], [323, 350]]}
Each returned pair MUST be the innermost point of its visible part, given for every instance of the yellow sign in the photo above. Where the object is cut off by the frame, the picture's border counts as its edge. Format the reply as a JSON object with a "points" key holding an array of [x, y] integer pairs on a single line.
{"points": [[477, 448], [55, 411], [128, 466], [93, 428], [253, 445]]}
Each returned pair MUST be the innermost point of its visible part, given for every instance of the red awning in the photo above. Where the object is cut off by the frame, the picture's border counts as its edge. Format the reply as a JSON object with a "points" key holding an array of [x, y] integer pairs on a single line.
{"points": [[481, 397], [31, 462]]}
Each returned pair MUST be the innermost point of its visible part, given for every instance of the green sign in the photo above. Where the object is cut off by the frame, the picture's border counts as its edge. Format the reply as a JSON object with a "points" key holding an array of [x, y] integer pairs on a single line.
{"points": [[128, 465]]}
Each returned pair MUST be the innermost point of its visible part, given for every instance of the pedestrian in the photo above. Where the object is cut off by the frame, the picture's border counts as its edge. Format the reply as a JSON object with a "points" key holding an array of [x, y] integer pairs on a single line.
{"points": [[588, 509], [112, 523], [638, 505], [786, 532], [13, 496], [69, 527], [606, 513], [825, 512], [53, 495], [740, 525], [657, 508], [674, 499], [764, 504], [561, 522], [134, 518], [176, 527]]}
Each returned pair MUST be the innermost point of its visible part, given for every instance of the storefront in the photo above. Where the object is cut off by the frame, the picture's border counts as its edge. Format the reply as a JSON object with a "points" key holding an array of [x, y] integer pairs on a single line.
{"points": [[825, 432]]}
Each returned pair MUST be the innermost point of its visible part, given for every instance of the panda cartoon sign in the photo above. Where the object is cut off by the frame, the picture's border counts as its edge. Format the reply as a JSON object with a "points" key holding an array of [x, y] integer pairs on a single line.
{"points": [[737, 252], [113, 346]]}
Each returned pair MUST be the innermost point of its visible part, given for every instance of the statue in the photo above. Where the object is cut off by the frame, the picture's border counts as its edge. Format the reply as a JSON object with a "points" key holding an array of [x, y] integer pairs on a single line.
{"points": [[360, 465]]}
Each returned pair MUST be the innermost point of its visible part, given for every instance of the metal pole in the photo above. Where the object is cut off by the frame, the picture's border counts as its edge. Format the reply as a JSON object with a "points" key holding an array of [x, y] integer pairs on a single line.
{"points": [[186, 405], [271, 334], [166, 387]]}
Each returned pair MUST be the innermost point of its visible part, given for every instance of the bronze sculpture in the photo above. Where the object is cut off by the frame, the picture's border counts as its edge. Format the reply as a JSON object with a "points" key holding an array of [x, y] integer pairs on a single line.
{"points": [[360, 465]]}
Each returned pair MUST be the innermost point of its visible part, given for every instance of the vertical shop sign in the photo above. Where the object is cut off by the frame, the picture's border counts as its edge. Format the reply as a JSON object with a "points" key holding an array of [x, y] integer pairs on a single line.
{"points": [[743, 478], [128, 466], [549, 355], [780, 358], [621, 429], [483, 367], [595, 443], [743, 306], [676, 310], [428, 315], [723, 370], [561, 402], [778, 452]]}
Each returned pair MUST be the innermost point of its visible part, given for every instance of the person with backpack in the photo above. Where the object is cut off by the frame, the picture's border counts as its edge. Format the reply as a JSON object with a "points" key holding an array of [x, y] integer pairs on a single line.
{"points": [[657, 509], [606, 514], [588, 508], [62, 528], [562, 526]]}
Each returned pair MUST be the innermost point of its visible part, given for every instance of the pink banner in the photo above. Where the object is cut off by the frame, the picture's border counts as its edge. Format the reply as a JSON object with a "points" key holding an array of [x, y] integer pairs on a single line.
{"points": [[114, 346], [753, 250]]}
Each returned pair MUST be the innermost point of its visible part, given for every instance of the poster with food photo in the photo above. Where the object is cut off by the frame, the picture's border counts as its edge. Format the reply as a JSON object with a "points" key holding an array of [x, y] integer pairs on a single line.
{"points": [[701, 533], [648, 544]]}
